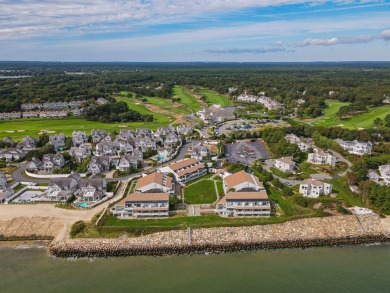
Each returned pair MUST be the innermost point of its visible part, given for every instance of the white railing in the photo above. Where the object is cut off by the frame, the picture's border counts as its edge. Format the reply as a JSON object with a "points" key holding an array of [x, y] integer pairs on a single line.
{"points": [[49, 176]]}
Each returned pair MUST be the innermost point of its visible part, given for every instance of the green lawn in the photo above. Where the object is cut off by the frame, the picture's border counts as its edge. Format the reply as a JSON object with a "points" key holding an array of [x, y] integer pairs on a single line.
{"points": [[364, 120], [136, 105], [344, 192], [186, 98], [215, 98], [201, 192], [220, 188], [19, 128]]}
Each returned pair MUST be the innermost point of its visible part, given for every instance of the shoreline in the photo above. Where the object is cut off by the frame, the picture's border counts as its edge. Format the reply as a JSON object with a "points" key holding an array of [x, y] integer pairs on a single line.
{"points": [[63, 251]]}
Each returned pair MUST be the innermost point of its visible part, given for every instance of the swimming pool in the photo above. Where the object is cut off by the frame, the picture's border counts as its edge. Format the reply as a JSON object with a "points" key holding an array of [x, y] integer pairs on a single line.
{"points": [[82, 205], [160, 158]]}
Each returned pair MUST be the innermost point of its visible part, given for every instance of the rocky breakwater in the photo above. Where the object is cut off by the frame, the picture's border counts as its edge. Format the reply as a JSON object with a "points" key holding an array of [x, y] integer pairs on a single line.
{"points": [[312, 232]]}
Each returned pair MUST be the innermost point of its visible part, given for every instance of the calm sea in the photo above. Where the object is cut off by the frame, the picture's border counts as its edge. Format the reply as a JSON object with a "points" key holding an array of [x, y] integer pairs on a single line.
{"points": [[346, 269]]}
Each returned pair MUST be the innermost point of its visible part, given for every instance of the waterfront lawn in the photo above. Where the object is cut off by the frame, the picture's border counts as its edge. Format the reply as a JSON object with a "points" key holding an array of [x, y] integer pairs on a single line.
{"points": [[215, 98], [202, 192]]}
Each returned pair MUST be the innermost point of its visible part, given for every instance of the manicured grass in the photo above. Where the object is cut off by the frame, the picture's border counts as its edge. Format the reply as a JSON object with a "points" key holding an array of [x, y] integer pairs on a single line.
{"points": [[201, 192], [215, 98], [168, 105], [364, 120], [186, 98], [22, 127], [136, 105], [220, 188]]}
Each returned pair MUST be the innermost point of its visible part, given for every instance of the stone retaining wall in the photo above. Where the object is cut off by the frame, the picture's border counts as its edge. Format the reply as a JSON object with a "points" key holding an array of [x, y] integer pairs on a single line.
{"points": [[313, 232]]}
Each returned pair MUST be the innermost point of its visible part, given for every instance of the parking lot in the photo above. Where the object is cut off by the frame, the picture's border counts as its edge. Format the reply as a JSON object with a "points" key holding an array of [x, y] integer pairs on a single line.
{"points": [[246, 152]]}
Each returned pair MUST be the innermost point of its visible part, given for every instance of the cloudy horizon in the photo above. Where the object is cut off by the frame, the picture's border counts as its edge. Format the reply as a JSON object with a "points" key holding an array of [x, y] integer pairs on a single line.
{"points": [[200, 30]]}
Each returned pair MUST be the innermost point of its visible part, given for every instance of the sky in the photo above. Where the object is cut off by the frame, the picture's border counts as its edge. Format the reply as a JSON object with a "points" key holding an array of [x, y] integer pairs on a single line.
{"points": [[195, 30]]}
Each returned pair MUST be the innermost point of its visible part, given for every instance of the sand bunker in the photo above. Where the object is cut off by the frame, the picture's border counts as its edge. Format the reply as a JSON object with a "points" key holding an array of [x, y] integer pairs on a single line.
{"points": [[50, 131], [10, 131], [122, 126], [21, 130]]}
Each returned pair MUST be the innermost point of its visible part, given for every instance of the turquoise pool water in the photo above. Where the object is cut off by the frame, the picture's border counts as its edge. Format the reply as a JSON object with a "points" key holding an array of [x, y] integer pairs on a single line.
{"points": [[160, 158], [82, 205]]}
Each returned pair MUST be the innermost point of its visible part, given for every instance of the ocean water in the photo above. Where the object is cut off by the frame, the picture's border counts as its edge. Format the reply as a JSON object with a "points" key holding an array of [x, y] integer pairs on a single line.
{"points": [[342, 269]]}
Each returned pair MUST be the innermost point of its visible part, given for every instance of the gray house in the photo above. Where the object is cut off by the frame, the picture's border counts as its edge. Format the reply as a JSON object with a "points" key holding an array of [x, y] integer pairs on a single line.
{"points": [[99, 164], [3, 181]]}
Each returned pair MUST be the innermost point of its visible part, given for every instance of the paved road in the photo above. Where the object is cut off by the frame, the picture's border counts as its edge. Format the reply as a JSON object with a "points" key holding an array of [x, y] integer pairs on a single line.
{"points": [[341, 159], [18, 174], [269, 164]]}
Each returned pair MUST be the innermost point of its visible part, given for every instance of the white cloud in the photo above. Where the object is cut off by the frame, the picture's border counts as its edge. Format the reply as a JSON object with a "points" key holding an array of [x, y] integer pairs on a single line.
{"points": [[28, 19], [385, 35], [244, 51]]}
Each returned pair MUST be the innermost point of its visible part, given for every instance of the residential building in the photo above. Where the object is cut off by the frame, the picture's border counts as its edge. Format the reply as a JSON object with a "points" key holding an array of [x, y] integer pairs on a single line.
{"points": [[13, 154], [143, 205], [52, 162], [247, 98], [314, 188], [91, 190], [184, 130], [200, 151], [34, 165], [97, 135], [269, 103], [127, 162], [171, 140], [384, 170], [244, 204], [3, 181], [58, 141], [55, 105], [155, 182], [101, 101], [126, 134], [79, 138], [60, 189], [104, 148], [242, 182], [186, 170], [356, 147], [216, 113], [80, 153], [27, 144], [320, 157], [285, 164], [99, 164], [30, 106]]}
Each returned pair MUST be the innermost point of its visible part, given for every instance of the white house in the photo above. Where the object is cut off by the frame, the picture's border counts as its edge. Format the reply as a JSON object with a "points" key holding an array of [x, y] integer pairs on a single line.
{"points": [[244, 204], [320, 157], [185, 170], [314, 188], [356, 147], [215, 113], [143, 205], [242, 181], [155, 182], [285, 164], [200, 151]]}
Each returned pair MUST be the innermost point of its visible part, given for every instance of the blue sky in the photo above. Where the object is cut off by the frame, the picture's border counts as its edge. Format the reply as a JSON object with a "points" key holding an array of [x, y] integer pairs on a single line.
{"points": [[195, 30]]}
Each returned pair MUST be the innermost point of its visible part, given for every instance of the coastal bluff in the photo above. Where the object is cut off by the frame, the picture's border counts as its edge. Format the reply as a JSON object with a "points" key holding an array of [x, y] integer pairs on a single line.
{"points": [[309, 232]]}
